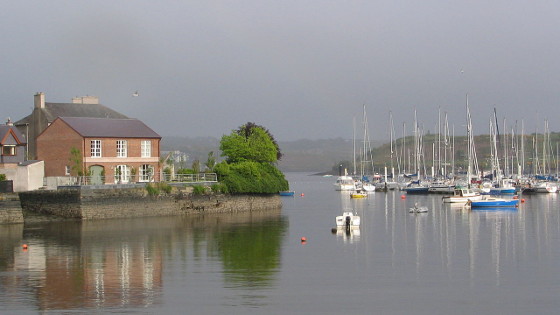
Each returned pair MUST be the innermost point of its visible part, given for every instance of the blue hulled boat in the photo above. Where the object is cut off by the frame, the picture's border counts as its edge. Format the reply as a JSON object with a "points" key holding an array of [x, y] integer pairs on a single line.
{"points": [[494, 202], [287, 193]]}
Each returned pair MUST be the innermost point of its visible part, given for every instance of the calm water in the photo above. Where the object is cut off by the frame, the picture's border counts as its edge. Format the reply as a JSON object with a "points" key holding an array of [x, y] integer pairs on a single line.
{"points": [[448, 261]]}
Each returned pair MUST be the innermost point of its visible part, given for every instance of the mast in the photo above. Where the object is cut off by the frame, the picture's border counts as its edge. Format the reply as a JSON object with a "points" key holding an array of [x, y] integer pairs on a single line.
{"points": [[354, 144], [469, 146]]}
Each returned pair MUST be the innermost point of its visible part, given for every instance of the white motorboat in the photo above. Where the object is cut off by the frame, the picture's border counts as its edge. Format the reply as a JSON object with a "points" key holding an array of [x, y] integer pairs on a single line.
{"points": [[345, 183], [462, 195], [348, 220]]}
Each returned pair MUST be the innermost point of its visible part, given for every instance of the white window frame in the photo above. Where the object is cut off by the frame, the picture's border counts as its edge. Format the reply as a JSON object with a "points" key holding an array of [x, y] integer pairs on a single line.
{"points": [[122, 148], [9, 150], [146, 172], [96, 149], [67, 170], [146, 148], [125, 174]]}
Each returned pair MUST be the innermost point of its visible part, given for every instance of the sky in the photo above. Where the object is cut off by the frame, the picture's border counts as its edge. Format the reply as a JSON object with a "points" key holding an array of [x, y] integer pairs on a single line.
{"points": [[302, 69]]}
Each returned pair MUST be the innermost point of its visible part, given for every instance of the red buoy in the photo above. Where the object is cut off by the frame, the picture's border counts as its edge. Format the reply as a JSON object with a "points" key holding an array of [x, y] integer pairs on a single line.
{"points": [[403, 197], [24, 246]]}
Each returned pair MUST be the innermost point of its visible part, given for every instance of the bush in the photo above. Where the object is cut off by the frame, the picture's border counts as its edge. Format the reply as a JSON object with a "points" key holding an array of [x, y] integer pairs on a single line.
{"points": [[251, 177], [155, 190], [199, 190], [219, 188], [152, 191], [2, 177]]}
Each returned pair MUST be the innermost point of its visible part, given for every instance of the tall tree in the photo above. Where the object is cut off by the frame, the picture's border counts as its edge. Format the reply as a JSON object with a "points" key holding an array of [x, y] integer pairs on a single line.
{"points": [[249, 143]]}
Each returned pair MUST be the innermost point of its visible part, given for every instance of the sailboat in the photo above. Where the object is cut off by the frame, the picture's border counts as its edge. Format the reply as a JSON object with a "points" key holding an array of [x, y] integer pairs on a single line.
{"points": [[366, 158], [386, 184], [501, 185], [417, 186]]}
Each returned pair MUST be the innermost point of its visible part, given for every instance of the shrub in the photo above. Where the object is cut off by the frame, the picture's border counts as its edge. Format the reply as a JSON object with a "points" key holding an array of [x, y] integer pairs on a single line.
{"points": [[199, 190], [152, 190], [2, 177], [251, 177], [165, 187], [219, 188]]}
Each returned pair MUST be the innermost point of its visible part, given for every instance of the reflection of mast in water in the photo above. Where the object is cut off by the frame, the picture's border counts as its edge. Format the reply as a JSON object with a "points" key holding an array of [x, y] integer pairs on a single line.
{"points": [[474, 222], [419, 222]]}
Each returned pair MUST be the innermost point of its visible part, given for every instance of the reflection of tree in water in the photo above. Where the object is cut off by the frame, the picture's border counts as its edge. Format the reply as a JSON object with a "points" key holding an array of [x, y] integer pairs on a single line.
{"points": [[251, 253]]}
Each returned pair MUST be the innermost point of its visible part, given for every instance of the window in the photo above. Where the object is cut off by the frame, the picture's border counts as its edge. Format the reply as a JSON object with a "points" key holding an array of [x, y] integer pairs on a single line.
{"points": [[146, 173], [67, 170], [9, 150], [146, 148], [95, 148], [121, 148], [122, 173]]}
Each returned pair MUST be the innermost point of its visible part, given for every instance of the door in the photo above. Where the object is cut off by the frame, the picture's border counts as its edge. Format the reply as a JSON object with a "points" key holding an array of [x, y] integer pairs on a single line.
{"points": [[96, 175]]}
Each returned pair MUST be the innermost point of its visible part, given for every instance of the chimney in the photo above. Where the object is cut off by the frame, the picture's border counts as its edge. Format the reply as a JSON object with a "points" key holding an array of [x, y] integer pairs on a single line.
{"points": [[85, 99], [9, 122], [40, 100]]}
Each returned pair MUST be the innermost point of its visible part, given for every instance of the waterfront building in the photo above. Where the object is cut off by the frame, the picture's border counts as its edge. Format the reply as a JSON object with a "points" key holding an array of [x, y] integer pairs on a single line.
{"points": [[102, 150]]}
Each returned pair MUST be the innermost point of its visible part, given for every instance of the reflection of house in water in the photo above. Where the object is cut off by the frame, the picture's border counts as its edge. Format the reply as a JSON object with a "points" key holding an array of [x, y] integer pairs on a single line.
{"points": [[118, 264], [85, 273], [128, 275]]}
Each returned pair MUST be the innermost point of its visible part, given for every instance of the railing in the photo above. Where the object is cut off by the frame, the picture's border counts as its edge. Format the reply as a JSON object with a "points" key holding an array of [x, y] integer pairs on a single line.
{"points": [[191, 178], [55, 181]]}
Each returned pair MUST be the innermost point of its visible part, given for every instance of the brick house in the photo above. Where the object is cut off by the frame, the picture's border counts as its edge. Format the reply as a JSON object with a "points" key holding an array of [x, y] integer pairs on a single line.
{"points": [[44, 114], [106, 150]]}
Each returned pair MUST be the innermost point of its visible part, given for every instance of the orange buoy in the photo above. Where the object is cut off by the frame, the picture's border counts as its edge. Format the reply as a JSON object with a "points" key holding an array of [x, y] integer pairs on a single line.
{"points": [[522, 199], [302, 194], [303, 239], [403, 197], [24, 246]]}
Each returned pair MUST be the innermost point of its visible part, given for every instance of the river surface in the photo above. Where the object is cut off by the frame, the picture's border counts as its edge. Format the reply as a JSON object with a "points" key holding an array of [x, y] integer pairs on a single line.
{"points": [[447, 261]]}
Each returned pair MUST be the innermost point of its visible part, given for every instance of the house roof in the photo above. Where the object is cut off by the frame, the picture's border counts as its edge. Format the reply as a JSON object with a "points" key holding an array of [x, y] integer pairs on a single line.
{"points": [[6, 129], [54, 110], [110, 128]]}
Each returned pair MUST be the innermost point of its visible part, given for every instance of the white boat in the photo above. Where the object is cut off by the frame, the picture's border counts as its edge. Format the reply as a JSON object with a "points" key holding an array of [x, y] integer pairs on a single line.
{"points": [[441, 188], [348, 220], [368, 187], [462, 195], [345, 183]]}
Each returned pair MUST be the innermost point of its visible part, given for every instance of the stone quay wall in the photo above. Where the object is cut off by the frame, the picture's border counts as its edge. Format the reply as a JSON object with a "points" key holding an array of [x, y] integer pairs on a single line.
{"points": [[89, 204], [10, 208]]}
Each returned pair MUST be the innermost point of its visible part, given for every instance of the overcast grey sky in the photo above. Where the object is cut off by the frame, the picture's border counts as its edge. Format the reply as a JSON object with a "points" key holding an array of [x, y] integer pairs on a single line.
{"points": [[303, 69]]}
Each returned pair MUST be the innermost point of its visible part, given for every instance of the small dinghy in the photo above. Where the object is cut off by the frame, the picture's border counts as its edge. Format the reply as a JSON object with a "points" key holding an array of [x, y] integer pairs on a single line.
{"points": [[418, 209]]}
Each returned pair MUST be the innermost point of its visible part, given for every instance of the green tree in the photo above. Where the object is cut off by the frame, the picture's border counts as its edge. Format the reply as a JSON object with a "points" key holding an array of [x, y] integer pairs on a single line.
{"points": [[250, 164], [245, 144], [196, 166], [76, 162], [211, 161]]}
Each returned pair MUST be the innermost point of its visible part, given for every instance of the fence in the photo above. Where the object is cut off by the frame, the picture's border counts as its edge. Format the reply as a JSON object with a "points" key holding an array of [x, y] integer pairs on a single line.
{"points": [[55, 181]]}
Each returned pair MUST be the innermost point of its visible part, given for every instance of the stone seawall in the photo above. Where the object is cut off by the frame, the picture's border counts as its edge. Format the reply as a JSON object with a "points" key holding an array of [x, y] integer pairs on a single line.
{"points": [[88, 204], [10, 209]]}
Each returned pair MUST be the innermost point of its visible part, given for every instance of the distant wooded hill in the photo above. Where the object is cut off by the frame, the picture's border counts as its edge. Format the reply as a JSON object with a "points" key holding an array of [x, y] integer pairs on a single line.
{"points": [[324, 155]]}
